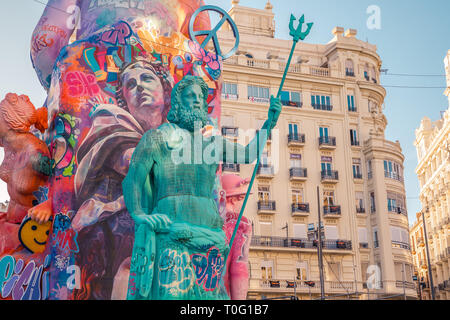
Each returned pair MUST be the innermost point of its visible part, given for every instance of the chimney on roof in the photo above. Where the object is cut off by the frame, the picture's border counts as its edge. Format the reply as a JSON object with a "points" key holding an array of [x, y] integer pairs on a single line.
{"points": [[350, 33], [337, 31]]}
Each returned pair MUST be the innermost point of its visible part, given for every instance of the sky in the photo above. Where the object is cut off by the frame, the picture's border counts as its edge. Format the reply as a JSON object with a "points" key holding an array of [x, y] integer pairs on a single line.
{"points": [[412, 38]]}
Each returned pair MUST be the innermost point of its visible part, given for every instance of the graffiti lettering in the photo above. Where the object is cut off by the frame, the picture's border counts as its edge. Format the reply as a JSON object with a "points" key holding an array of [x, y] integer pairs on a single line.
{"points": [[63, 237], [208, 269], [118, 35], [40, 42], [24, 283], [175, 271], [81, 84]]}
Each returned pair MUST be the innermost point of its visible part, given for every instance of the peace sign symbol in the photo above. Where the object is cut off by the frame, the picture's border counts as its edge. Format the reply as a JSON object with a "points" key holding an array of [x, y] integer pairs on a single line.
{"points": [[212, 34]]}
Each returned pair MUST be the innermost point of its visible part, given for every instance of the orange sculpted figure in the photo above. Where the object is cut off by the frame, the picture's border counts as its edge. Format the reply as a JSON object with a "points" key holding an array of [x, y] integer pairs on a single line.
{"points": [[26, 165]]}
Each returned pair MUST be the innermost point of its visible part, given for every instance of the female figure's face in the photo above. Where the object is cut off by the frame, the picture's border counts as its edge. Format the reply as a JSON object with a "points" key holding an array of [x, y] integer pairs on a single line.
{"points": [[144, 95]]}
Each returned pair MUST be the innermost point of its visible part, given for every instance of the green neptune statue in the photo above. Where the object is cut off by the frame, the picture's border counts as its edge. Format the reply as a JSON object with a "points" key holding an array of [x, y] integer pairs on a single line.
{"points": [[180, 248]]}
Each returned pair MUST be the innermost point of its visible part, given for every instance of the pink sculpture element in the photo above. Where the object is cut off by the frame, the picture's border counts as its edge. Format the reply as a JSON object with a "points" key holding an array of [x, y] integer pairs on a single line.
{"points": [[236, 277], [26, 165]]}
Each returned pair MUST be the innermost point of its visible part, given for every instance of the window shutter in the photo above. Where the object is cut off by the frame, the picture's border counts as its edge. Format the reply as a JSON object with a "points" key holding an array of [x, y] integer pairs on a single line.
{"points": [[300, 231], [331, 232]]}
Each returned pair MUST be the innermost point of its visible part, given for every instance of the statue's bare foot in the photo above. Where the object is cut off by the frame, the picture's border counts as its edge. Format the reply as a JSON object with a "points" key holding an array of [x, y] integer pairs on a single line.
{"points": [[42, 212]]}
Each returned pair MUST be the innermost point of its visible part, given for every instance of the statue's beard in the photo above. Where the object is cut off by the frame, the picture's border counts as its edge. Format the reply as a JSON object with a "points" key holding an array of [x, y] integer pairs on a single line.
{"points": [[191, 119]]}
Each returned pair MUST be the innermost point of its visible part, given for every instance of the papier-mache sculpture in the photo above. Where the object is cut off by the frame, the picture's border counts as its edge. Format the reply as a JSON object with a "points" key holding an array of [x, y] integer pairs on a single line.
{"points": [[157, 234], [26, 166]]}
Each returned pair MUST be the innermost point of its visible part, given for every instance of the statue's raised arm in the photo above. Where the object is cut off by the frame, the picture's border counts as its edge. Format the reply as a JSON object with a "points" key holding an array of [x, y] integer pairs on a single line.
{"points": [[236, 153], [51, 34]]}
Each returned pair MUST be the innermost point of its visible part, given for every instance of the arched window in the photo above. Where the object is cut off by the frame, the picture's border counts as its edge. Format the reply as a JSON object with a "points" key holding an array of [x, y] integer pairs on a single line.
{"points": [[349, 68]]}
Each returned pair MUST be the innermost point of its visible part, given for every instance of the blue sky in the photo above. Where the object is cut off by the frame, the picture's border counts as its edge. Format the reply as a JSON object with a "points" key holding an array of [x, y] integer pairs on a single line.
{"points": [[413, 39]]}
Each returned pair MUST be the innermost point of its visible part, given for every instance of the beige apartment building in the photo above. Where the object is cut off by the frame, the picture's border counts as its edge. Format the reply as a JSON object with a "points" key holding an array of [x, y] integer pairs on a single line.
{"points": [[330, 136], [433, 170]]}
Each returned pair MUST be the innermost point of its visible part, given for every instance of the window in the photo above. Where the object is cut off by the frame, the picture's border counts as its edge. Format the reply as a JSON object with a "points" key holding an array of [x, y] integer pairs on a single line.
{"points": [[400, 235], [258, 94], [293, 130], [376, 243], [291, 98], [264, 194], [230, 91], [331, 232], [299, 231], [266, 269], [321, 102], [357, 168], [362, 236], [297, 196], [372, 202], [328, 197], [351, 103], [302, 270], [323, 132], [366, 72], [296, 160], [354, 137], [349, 68], [326, 165], [359, 196], [393, 170], [265, 229], [369, 169], [334, 271]]}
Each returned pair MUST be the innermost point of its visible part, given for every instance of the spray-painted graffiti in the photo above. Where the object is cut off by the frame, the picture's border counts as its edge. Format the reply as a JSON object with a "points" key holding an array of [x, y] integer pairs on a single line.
{"points": [[24, 282], [81, 84], [118, 35], [175, 271], [63, 145], [208, 269], [64, 238]]}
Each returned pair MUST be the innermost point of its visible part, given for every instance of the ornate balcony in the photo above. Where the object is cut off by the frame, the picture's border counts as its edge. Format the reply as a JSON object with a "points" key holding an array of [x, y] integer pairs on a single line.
{"points": [[331, 211], [265, 171], [300, 209], [319, 106], [296, 140], [401, 245], [266, 207], [230, 132], [283, 242], [231, 167], [327, 142], [298, 174], [360, 210], [295, 104], [329, 176]]}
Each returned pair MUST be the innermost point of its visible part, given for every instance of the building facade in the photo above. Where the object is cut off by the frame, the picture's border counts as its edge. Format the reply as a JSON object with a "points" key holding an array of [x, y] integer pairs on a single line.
{"points": [[328, 153], [433, 170]]}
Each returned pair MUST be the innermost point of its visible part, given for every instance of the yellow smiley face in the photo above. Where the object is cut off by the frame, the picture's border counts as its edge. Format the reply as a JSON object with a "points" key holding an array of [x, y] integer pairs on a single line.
{"points": [[33, 235]]}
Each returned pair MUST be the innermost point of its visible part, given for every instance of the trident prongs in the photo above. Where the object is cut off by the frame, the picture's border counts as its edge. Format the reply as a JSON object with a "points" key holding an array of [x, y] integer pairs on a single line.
{"points": [[297, 34]]}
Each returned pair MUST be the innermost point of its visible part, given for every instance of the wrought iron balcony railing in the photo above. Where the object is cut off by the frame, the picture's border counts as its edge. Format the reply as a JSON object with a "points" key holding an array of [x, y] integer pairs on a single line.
{"points": [[296, 138], [298, 172], [230, 131], [231, 167], [266, 205], [265, 170], [399, 244], [327, 141], [319, 106], [295, 104], [329, 175], [393, 175], [331, 210], [300, 207], [280, 242], [360, 210]]}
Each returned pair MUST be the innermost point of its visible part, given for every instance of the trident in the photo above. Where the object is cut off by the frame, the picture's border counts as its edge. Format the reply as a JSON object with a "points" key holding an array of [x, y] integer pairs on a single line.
{"points": [[297, 34]]}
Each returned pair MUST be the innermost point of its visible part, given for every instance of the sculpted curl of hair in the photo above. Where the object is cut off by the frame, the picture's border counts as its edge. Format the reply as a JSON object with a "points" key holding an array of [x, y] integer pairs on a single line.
{"points": [[20, 114], [173, 115]]}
